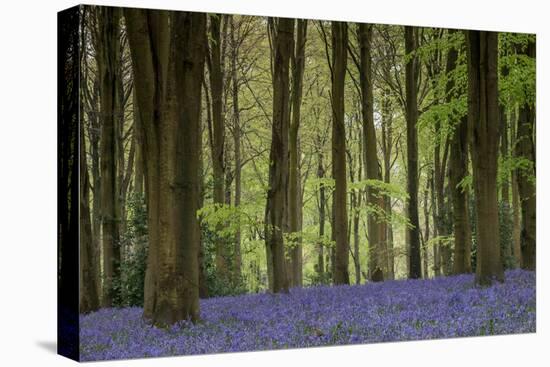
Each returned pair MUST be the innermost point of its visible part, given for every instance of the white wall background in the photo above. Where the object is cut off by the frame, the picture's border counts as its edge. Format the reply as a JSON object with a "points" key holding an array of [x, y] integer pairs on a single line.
{"points": [[28, 181]]}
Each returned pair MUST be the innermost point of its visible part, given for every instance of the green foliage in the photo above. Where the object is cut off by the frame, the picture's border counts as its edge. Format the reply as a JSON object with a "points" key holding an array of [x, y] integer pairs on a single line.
{"points": [[466, 184], [442, 241], [506, 230], [129, 285], [506, 227], [381, 188], [519, 86], [218, 286], [510, 163]]}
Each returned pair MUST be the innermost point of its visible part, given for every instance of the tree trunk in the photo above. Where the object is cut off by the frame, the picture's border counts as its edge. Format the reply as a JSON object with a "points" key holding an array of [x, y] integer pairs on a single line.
{"points": [[461, 215], [139, 170], [516, 206], [278, 157], [426, 237], [189, 48], [108, 60], [458, 170], [411, 84], [218, 136], [237, 260], [339, 63], [89, 300], [171, 156], [203, 286], [93, 136], [387, 141], [378, 254], [294, 191], [525, 150], [436, 247], [322, 206], [484, 124]]}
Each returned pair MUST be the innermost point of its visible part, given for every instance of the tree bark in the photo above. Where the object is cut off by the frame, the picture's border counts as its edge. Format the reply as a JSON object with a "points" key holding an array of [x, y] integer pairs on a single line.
{"points": [[378, 254], [108, 60], [278, 157], [426, 237], [516, 206], [461, 214], [294, 192], [170, 133], [89, 300], [139, 163], [218, 135], [411, 85], [458, 170], [525, 150], [322, 217], [387, 141], [484, 124], [237, 260], [339, 64], [189, 49]]}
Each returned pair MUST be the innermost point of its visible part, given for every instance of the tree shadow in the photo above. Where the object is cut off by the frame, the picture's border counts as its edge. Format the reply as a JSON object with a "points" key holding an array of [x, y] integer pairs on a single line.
{"points": [[48, 345]]}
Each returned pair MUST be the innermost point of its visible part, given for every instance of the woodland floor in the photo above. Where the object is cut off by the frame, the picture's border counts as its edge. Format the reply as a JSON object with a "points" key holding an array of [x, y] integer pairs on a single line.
{"points": [[399, 310]]}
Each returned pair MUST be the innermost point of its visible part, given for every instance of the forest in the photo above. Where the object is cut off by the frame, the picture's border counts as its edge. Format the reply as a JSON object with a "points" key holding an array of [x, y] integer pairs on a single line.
{"points": [[252, 182]]}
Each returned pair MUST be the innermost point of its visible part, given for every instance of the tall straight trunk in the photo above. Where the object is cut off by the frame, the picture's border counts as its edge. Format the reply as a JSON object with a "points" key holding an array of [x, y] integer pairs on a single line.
{"points": [[355, 204], [93, 138], [411, 85], [525, 150], [426, 237], [503, 118], [148, 37], [461, 214], [516, 206], [237, 259], [458, 170], [294, 192], [322, 218], [436, 247], [387, 138], [278, 157], [171, 157], [108, 60], [139, 169], [441, 211], [188, 47], [203, 286], [378, 254], [440, 164], [516, 214], [339, 64], [218, 135], [357, 198], [483, 120], [89, 300]]}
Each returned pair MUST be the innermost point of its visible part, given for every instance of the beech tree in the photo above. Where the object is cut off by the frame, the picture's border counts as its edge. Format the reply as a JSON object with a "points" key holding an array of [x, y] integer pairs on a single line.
{"points": [[411, 84], [216, 74], [108, 55], [525, 152], [89, 299], [340, 228], [483, 120], [278, 158], [458, 171], [294, 187], [171, 280], [378, 253]]}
